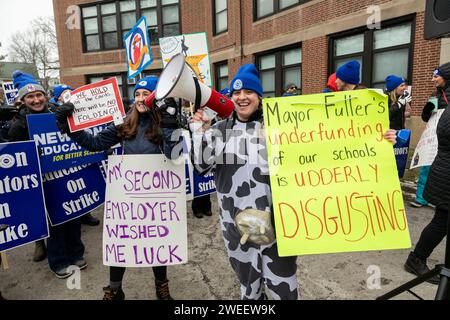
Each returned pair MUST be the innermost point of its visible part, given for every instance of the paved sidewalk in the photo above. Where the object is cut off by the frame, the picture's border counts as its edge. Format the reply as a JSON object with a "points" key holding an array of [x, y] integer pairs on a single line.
{"points": [[208, 274]]}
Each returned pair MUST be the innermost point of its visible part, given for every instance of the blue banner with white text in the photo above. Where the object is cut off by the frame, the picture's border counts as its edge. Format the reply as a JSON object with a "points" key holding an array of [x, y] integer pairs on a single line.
{"points": [[22, 207], [73, 192], [57, 150]]}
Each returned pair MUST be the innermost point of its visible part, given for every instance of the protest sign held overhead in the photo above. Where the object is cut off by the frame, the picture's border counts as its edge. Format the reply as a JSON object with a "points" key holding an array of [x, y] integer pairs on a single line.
{"points": [[20, 186], [95, 104], [334, 179], [194, 47], [58, 151], [145, 221], [137, 48]]}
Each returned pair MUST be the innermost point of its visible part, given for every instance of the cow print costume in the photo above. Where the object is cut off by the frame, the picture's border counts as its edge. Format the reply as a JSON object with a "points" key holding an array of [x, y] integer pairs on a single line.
{"points": [[239, 162]]}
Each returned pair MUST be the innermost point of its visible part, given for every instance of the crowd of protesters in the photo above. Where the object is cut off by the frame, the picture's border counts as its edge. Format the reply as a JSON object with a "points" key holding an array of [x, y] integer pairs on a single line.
{"points": [[148, 131]]}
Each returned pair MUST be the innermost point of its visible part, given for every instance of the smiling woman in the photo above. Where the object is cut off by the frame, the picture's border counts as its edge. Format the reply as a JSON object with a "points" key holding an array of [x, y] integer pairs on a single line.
{"points": [[243, 182], [33, 98]]}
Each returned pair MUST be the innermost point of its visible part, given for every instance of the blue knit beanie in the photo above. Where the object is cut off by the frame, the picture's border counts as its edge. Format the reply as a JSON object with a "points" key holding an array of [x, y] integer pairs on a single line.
{"points": [[247, 78], [59, 90], [349, 72], [25, 83], [147, 83], [393, 82]]}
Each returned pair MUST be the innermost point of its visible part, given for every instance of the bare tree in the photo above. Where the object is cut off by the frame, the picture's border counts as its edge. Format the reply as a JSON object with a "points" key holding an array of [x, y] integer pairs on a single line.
{"points": [[38, 46]]}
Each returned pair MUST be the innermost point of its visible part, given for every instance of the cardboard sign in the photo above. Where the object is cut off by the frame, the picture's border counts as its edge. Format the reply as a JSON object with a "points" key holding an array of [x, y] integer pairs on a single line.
{"points": [[58, 151], [95, 104], [145, 221], [22, 206], [10, 92], [137, 48], [334, 179], [74, 192], [195, 48], [427, 147]]}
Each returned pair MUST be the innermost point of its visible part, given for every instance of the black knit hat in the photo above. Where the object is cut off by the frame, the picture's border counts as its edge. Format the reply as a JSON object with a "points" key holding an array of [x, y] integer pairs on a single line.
{"points": [[444, 71]]}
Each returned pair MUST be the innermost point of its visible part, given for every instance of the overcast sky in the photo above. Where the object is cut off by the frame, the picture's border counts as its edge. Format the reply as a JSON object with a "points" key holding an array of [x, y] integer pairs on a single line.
{"points": [[15, 15]]}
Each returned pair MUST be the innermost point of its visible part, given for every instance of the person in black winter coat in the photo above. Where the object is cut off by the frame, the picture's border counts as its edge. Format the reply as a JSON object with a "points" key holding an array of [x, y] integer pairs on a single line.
{"points": [[31, 100], [399, 99], [143, 132], [64, 246], [437, 189]]}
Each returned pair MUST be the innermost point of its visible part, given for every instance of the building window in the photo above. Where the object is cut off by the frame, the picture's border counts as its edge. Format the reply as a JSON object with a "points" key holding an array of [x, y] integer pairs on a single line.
{"points": [[170, 22], [380, 52], [91, 31], [127, 16], [277, 69], [221, 72], [109, 26], [105, 24], [220, 14], [149, 10], [265, 8]]}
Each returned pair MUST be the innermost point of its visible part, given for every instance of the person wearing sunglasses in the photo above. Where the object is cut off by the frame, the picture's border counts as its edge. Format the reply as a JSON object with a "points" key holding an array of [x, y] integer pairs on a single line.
{"points": [[291, 90]]}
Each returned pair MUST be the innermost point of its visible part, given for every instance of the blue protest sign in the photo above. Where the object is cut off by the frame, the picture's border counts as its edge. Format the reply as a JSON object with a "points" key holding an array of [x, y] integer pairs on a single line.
{"points": [[71, 193], [203, 185], [401, 149], [58, 151], [187, 170], [22, 206], [184, 154], [137, 48], [104, 163]]}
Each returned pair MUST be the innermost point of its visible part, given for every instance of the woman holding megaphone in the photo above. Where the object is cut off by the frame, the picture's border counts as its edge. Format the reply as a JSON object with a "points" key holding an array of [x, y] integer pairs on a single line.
{"points": [[145, 131]]}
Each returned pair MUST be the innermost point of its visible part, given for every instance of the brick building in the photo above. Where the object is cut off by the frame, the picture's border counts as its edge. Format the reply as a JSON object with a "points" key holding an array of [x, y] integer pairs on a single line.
{"points": [[295, 41]]}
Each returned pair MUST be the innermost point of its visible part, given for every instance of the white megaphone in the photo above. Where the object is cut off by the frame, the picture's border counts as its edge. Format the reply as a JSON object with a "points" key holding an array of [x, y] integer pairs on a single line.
{"points": [[177, 81]]}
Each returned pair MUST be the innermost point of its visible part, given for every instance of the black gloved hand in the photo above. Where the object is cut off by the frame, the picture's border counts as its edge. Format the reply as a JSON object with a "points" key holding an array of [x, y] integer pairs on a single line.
{"points": [[427, 111], [62, 112], [168, 109]]}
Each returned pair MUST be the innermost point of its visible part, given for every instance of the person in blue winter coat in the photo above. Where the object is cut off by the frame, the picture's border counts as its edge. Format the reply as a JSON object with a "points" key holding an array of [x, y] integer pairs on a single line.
{"points": [[144, 131]]}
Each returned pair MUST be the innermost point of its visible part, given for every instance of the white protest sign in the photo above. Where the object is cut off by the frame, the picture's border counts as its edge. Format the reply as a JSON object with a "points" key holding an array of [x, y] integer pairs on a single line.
{"points": [[95, 104], [426, 149], [195, 48], [10, 92], [145, 222]]}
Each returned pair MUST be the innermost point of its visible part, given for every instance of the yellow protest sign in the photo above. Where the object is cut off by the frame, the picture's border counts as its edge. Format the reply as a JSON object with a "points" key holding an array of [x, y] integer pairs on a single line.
{"points": [[334, 179]]}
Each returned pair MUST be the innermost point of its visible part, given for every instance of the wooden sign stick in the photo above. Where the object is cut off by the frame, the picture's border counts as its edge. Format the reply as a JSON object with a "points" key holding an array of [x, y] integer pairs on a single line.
{"points": [[4, 261]]}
